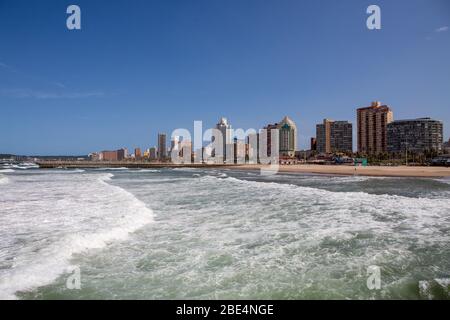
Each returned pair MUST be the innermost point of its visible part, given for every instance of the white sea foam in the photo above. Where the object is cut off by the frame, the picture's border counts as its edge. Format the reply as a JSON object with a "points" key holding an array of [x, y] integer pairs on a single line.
{"points": [[108, 169], [25, 166], [7, 170], [88, 215], [444, 180], [3, 179], [185, 169], [427, 289], [74, 171]]}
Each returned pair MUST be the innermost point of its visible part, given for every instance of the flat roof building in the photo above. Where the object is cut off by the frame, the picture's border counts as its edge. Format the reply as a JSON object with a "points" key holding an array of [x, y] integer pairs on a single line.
{"points": [[415, 135], [334, 136]]}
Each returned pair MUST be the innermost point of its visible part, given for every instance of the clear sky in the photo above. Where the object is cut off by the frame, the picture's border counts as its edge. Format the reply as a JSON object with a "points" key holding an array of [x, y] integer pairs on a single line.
{"points": [[140, 67]]}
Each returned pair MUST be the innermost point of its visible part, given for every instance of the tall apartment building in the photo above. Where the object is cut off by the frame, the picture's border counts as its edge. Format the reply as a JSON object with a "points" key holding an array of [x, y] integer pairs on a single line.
{"points": [[162, 148], [334, 136], [416, 135], [269, 129], [372, 128]]}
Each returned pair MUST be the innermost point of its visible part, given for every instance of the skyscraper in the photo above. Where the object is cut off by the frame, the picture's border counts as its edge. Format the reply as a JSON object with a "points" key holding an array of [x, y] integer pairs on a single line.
{"points": [[225, 129], [416, 135], [162, 148], [334, 136], [288, 137], [372, 128]]}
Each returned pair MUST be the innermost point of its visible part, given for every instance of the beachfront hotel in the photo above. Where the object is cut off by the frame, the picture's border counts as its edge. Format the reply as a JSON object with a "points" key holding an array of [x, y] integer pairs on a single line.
{"points": [[372, 128], [415, 135], [288, 137], [334, 137]]}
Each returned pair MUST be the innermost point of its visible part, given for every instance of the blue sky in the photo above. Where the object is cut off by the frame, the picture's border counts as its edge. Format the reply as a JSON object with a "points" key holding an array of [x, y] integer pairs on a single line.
{"points": [[140, 67]]}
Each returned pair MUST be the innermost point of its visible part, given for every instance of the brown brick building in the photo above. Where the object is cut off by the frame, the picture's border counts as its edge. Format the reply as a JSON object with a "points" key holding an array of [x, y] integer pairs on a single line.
{"points": [[372, 128]]}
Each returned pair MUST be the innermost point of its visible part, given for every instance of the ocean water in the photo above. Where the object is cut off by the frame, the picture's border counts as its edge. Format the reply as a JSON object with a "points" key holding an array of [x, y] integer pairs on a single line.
{"points": [[220, 234]]}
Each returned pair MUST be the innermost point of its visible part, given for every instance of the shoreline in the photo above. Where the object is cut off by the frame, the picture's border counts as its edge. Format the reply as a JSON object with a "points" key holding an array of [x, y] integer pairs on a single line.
{"points": [[369, 171], [344, 170]]}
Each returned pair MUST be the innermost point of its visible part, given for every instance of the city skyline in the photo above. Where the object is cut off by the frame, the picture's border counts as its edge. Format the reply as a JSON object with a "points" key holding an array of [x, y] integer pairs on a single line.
{"points": [[113, 84]]}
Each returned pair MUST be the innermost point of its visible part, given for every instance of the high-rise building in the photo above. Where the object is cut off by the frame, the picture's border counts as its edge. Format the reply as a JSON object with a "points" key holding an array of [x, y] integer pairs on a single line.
{"points": [[372, 128], [162, 148], [416, 135], [225, 128], [288, 137], [269, 129], [137, 154], [334, 136]]}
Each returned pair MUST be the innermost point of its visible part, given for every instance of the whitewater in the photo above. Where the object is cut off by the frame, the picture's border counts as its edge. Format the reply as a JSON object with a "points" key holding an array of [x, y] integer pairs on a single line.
{"points": [[221, 234]]}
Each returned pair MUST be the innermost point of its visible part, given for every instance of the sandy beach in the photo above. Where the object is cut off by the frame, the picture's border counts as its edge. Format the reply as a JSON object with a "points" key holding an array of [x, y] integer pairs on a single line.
{"points": [[378, 171]]}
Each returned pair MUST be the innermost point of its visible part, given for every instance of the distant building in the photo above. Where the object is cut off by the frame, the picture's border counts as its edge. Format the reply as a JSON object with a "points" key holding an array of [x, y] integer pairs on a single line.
{"points": [[239, 151], [269, 129], [174, 143], [152, 155], [334, 136], [415, 135], [252, 151], [121, 154], [446, 147], [288, 137], [162, 147], [108, 155], [94, 156], [313, 144], [137, 154], [225, 128], [372, 128], [185, 149]]}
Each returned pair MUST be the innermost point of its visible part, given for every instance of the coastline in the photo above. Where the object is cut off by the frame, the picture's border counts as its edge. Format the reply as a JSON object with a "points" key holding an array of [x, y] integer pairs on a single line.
{"points": [[371, 171], [346, 170]]}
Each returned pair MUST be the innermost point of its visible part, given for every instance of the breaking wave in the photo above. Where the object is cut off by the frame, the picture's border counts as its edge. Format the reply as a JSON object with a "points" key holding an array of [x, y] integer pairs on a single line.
{"points": [[90, 214]]}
